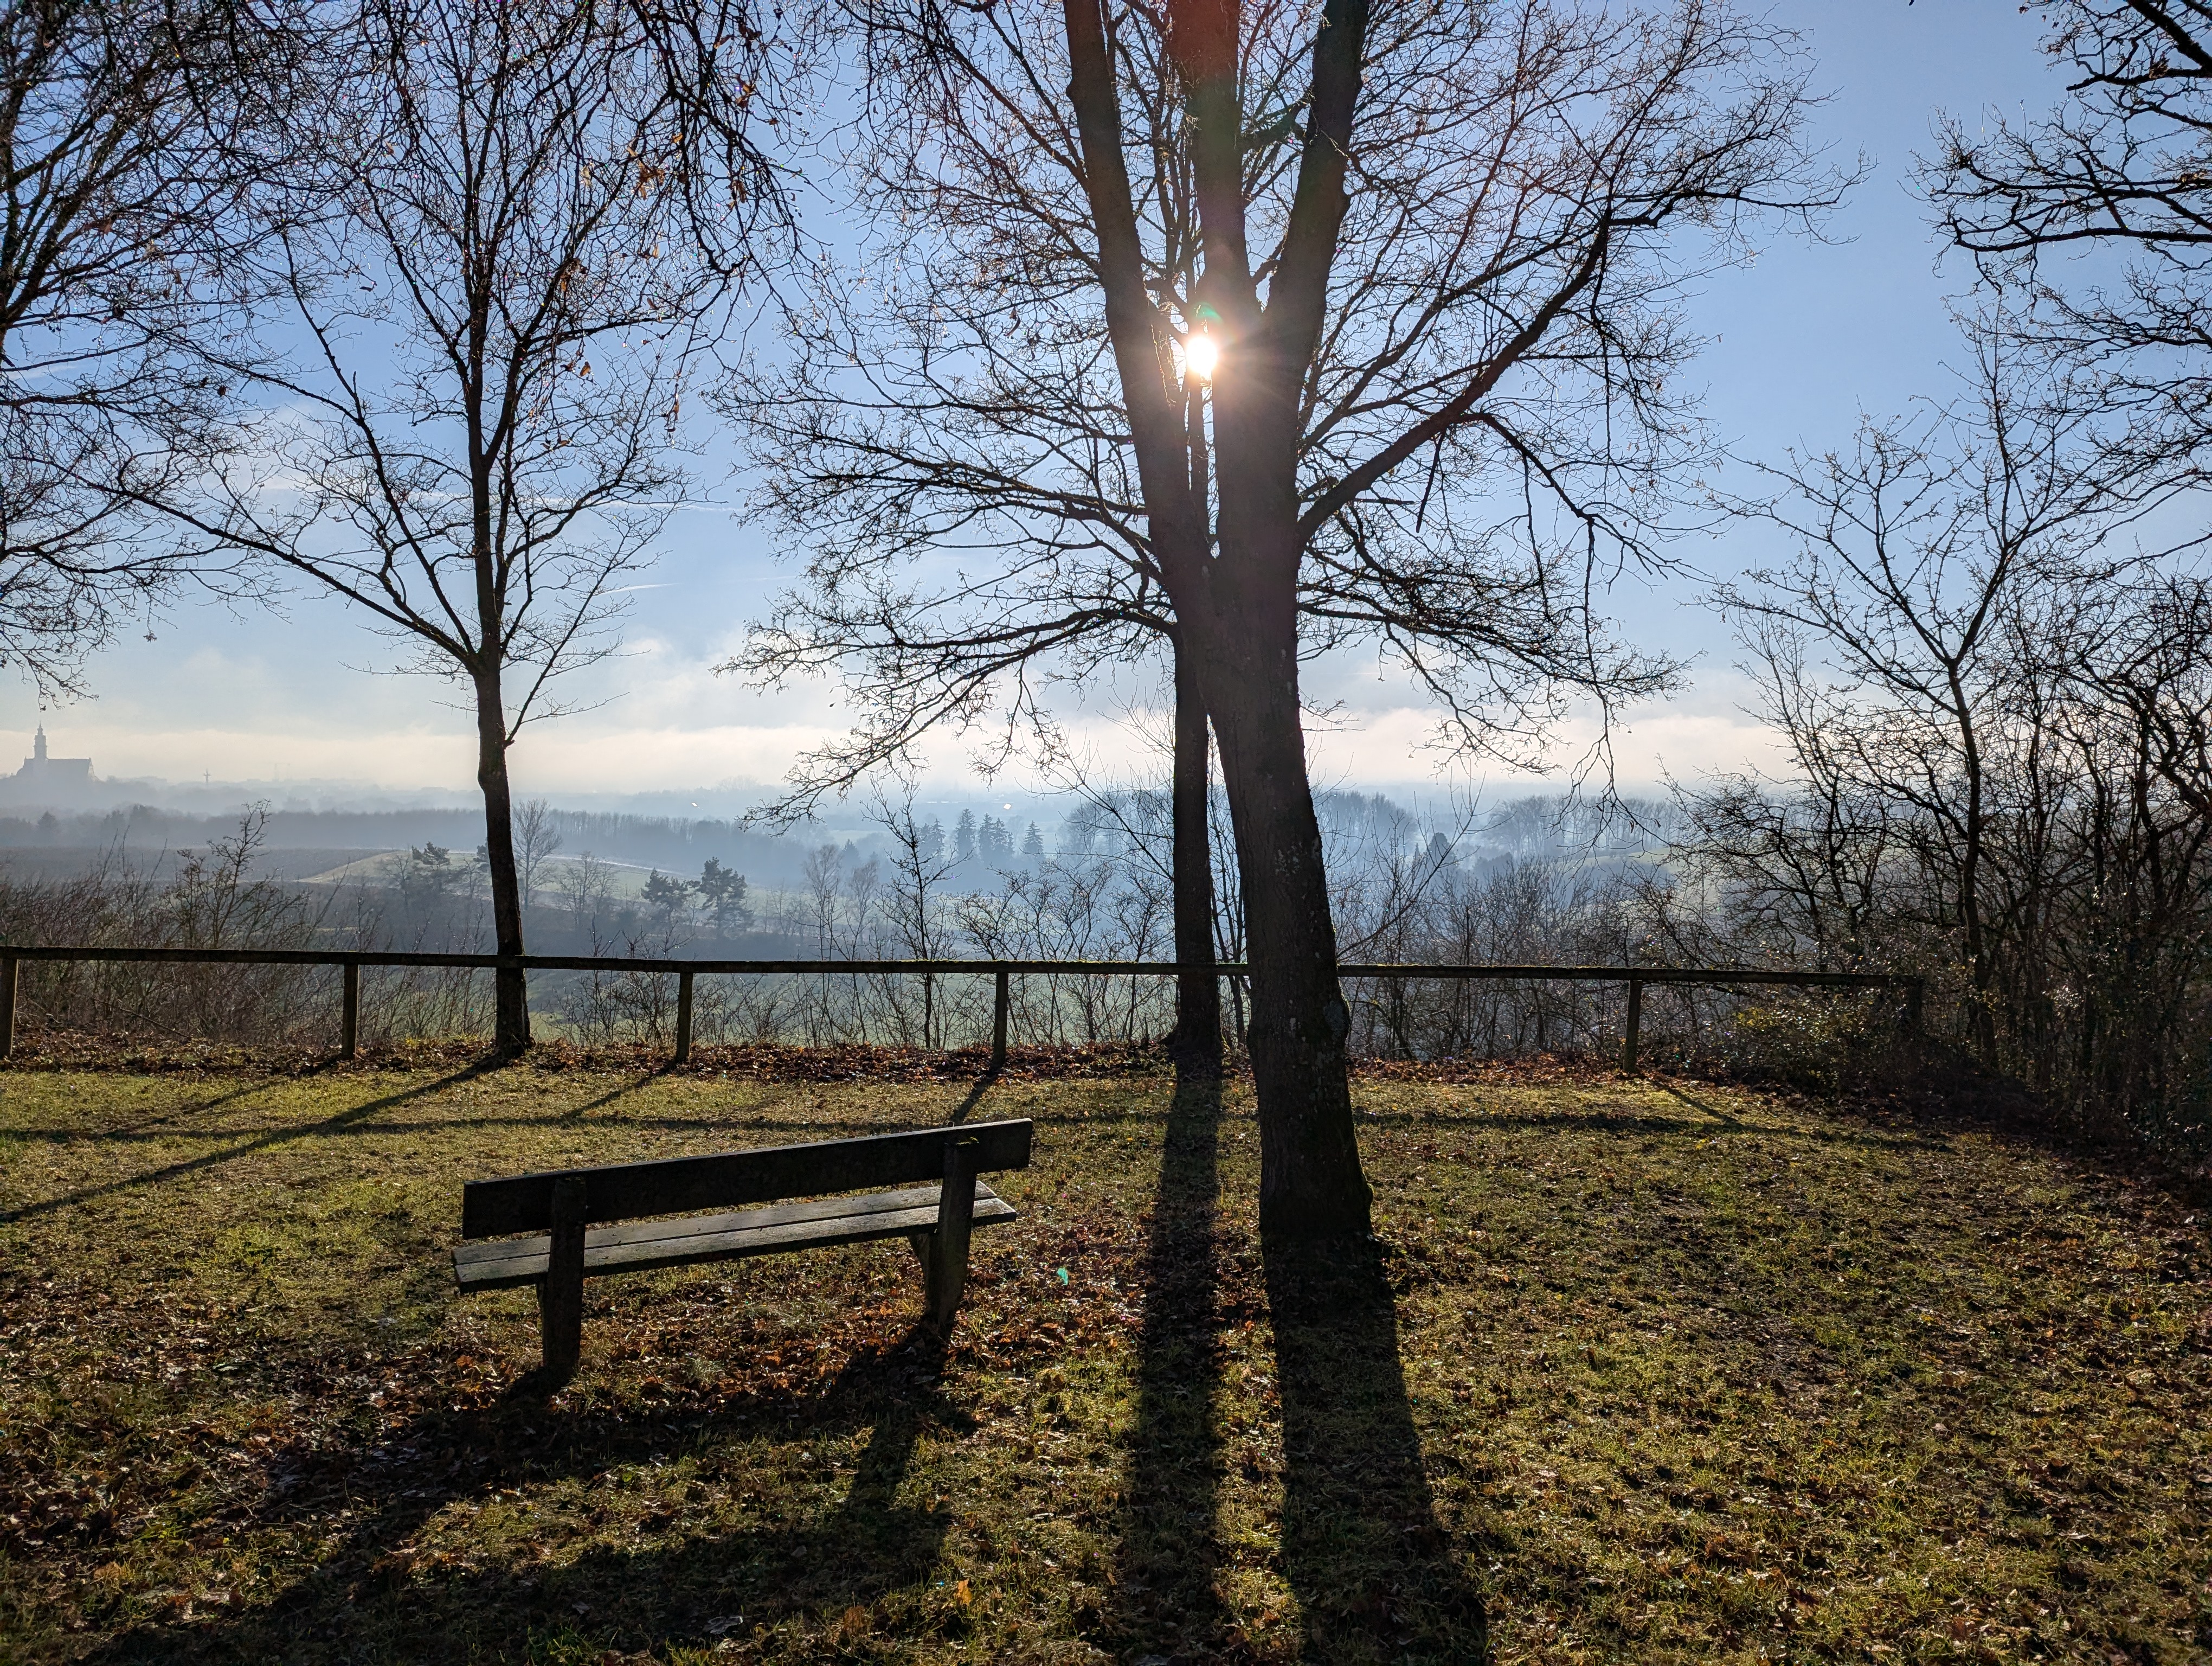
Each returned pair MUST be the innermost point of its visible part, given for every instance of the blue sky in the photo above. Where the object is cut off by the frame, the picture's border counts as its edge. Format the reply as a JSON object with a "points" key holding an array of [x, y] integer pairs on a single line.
{"points": [[1803, 341]]}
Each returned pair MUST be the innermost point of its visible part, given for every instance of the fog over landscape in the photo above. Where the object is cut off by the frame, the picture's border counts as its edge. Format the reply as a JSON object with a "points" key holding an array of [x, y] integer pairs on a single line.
{"points": [[1799, 344]]}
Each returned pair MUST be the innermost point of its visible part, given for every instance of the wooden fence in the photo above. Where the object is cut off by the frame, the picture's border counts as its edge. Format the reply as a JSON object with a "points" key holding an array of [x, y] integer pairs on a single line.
{"points": [[1002, 972]]}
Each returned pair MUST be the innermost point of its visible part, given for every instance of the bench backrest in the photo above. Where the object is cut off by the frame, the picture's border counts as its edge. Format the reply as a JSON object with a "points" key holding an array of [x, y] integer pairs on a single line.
{"points": [[732, 1179]]}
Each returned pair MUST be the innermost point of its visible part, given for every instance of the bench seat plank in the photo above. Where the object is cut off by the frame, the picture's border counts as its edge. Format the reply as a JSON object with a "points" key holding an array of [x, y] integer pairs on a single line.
{"points": [[635, 1246], [723, 1180], [776, 1214]]}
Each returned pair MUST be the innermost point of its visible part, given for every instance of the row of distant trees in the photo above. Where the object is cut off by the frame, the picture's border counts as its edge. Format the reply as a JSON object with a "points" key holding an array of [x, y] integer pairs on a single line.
{"points": [[1212, 336]]}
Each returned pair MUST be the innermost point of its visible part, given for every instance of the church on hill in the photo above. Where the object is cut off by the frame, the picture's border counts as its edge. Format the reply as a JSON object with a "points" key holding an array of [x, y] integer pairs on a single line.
{"points": [[40, 770]]}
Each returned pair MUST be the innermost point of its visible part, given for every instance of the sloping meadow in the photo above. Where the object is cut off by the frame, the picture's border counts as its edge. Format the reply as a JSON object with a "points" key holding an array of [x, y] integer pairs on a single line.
{"points": [[1635, 1370]]}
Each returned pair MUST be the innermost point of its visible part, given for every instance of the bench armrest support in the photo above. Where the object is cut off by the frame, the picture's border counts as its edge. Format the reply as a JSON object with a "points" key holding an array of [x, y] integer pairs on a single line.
{"points": [[561, 1294], [947, 1278]]}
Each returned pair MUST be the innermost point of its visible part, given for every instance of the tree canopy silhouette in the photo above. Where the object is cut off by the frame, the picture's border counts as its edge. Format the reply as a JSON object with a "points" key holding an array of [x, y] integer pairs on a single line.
{"points": [[1264, 328]]}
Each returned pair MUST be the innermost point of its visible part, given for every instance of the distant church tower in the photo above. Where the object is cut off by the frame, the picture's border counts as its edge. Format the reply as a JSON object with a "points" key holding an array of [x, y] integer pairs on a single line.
{"points": [[39, 770]]}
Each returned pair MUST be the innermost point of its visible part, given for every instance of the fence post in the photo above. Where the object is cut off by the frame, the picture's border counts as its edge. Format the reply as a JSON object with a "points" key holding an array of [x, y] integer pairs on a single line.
{"points": [[999, 1002], [1635, 1025], [350, 1011], [684, 1017], [8, 963], [1914, 991]]}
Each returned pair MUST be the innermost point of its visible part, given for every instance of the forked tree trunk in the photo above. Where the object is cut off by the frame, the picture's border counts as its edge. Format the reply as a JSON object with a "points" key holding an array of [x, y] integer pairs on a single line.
{"points": [[1310, 1182], [510, 987], [1235, 587], [1196, 1044]]}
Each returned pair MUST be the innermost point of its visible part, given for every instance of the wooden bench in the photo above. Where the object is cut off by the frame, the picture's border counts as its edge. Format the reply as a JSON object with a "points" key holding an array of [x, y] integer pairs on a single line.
{"points": [[595, 1223]]}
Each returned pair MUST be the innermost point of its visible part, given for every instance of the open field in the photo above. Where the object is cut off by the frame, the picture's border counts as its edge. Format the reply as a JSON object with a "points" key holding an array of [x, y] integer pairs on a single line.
{"points": [[1638, 1371], [618, 881]]}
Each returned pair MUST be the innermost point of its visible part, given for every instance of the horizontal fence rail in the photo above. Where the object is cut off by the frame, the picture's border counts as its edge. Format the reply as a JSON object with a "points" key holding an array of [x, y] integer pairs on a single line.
{"points": [[351, 960]]}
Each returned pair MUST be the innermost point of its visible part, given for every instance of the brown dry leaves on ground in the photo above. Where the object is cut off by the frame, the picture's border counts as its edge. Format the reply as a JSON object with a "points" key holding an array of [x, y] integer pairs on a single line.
{"points": [[763, 1061], [1638, 1371]]}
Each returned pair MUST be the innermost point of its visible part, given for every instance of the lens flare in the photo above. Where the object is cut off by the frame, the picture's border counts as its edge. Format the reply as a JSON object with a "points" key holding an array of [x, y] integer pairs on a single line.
{"points": [[1202, 354]]}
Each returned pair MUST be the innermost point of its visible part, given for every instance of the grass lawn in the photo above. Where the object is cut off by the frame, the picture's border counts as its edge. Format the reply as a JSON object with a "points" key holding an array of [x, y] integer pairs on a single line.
{"points": [[1634, 1371]]}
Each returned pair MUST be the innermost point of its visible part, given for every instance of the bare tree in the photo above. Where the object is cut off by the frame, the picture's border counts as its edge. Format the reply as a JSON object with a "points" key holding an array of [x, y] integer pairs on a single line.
{"points": [[537, 217], [1990, 685], [1805, 868], [2091, 853], [913, 898], [1181, 856], [1908, 554], [824, 876], [126, 131], [2124, 164], [535, 838], [2153, 659], [586, 884], [1275, 327]]}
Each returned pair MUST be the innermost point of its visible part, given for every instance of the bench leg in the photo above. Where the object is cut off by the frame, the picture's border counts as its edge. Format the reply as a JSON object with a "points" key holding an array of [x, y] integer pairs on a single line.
{"points": [[561, 1295], [947, 1261]]}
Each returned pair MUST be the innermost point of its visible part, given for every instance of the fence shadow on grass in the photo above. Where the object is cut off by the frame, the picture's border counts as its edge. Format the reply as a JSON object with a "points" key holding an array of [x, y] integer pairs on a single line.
{"points": [[1165, 1601], [1376, 1577], [374, 1598]]}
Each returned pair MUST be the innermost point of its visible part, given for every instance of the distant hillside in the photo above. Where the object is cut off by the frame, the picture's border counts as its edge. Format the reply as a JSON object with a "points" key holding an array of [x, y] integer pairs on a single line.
{"points": [[300, 844], [143, 834]]}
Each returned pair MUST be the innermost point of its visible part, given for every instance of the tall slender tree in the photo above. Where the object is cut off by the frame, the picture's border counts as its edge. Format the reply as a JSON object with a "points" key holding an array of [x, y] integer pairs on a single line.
{"points": [[533, 223], [1281, 327]]}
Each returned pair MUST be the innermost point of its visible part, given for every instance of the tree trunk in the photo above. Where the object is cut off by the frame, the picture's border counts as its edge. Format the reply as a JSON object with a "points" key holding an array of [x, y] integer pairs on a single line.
{"points": [[1982, 1025], [511, 993], [1231, 569], [1310, 1183], [1196, 1044]]}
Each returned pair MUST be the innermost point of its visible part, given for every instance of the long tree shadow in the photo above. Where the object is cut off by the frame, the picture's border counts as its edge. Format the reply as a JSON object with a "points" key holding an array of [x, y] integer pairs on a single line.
{"points": [[1655, 1123], [372, 1598], [1166, 1604], [1375, 1577], [342, 1123]]}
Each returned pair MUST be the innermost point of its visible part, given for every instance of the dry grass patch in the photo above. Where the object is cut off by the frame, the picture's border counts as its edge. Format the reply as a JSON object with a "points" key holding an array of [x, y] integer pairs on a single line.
{"points": [[1636, 1373]]}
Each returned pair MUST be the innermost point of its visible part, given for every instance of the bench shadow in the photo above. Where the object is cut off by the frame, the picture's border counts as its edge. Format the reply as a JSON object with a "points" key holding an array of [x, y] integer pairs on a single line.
{"points": [[1376, 1577], [374, 1598], [1164, 1601]]}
